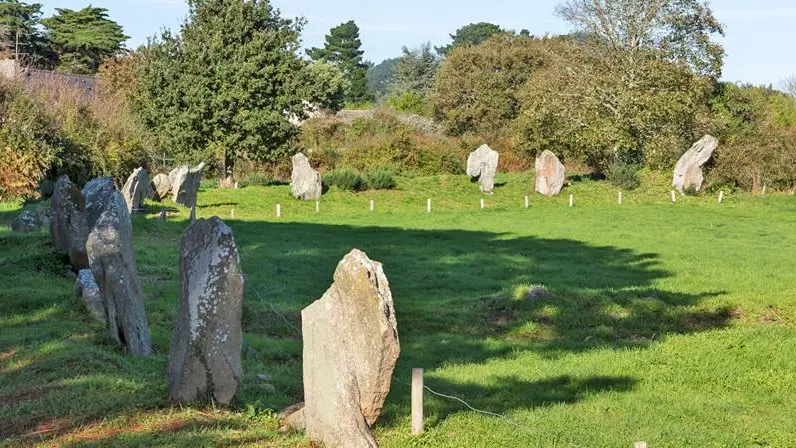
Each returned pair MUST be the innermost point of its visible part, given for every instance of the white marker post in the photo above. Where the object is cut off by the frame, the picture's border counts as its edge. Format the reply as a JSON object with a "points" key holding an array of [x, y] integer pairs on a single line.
{"points": [[278, 210], [572, 200], [236, 185], [674, 196], [232, 214], [417, 402], [764, 190], [527, 202], [372, 205], [428, 206], [317, 206], [721, 197], [620, 198], [483, 204]]}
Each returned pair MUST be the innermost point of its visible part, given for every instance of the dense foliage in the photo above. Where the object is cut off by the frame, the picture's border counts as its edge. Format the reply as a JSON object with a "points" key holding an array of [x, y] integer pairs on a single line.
{"points": [[472, 34], [343, 48]]}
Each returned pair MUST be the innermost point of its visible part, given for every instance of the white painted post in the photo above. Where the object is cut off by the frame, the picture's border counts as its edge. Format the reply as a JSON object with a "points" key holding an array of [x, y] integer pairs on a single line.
{"points": [[620, 198], [236, 185], [317, 206], [428, 206], [674, 196], [527, 201], [278, 210], [483, 204], [417, 402], [232, 214], [571, 200], [640, 445], [764, 190], [721, 197], [372, 205]]}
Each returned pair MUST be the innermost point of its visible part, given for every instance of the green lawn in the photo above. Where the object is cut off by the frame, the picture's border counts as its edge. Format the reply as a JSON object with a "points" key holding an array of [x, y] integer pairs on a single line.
{"points": [[669, 323]]}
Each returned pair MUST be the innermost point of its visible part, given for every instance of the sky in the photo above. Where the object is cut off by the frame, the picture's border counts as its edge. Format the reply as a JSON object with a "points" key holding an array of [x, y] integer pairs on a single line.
{"points": [[759, 33]]}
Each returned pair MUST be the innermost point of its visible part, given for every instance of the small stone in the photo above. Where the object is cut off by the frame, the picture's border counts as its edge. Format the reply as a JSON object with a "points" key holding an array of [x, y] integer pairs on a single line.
{"points": [[163, 216], [305, 182], [27, 221], [688, 176], [87, 289], [550, 174], [482, 163], [263, 377]]}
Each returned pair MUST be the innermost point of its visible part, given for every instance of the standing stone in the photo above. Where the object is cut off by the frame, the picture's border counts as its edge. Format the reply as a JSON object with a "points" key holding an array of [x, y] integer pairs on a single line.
{"points": [[482, 163], [27, 221], [161, 186], [688, 171], [110, 254], [185, 183], [88, 290], [350, 350], [136, 190], [205, 355], [68, 226], [550, 174], [305, 182]]}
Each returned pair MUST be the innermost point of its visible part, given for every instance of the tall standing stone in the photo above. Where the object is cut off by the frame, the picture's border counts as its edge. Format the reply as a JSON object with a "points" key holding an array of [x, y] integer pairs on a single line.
{"points": [[688, 171], [68, 227], [482, 163], [110, 254], [205, 355], [350, 350], [550, 174], [185, 183], [161, 186], [136, 190], [305, 182]]}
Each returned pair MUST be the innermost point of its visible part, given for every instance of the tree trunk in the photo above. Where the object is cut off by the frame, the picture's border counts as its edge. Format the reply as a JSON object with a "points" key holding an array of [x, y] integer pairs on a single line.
{"points": [[227, 179]]}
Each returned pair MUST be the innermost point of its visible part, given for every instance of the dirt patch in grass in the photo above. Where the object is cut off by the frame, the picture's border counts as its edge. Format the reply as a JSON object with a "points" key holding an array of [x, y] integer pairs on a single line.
{"points": [[28, 394]]}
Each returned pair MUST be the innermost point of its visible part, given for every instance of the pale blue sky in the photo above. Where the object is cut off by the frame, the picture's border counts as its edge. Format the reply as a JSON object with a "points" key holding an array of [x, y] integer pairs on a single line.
{"points": [[759, 43]]}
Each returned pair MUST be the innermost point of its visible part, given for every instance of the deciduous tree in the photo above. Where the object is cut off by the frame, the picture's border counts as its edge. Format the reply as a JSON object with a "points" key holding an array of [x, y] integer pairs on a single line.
{"points": [[472, 34], [343, 48]]}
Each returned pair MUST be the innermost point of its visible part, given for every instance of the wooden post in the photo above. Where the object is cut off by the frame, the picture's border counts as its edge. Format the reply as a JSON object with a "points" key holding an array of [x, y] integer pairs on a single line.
{"points": [[527, 201], [571, 200], [417, 402], [317, 206], [232, 214], [372, 205], [620, 198], [193, 213], [674, 196], [483, 204], [278, 210], [640, 445], [428, 206], [764, 190], [721, 197], [236, 185]]}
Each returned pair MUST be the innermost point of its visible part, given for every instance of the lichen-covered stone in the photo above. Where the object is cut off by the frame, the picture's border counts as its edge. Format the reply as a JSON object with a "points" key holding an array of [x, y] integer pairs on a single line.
{"points": [[482, 163], [185, 183], [87, 289], [27, 221], [550, 174], [161, 186], [688, 174], [305, 182], [68, 225], [136, 190], [205, 355], [350, 350], [110, 254]]}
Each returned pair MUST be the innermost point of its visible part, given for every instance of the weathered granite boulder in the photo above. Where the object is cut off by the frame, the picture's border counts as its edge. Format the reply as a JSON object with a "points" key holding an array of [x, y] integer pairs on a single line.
{"points": [[688, 171], [27, 221], [185, 183], [110, 254], [68, 226], [98, 193], [482, 163], [161, 186], [550, 174], [205, 355], [305, 182], [350, 350], [136, 190], [87, 289]]}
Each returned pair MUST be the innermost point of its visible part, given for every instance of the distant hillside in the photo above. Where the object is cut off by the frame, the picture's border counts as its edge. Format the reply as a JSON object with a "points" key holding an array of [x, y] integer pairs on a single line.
{"points": [[381, 76]]}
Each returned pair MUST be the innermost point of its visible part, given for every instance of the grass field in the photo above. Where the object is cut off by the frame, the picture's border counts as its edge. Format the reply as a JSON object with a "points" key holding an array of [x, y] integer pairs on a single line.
{"points": [[669, 323]]}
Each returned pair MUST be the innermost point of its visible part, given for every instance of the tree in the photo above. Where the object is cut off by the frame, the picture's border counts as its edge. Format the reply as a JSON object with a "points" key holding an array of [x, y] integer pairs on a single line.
{"points": [[224, 88], [472, 34], [323, 86], [380, 76], [415, 71], [83, 39], [19, 33], [790, 86], [680, 29], [343, 48]]}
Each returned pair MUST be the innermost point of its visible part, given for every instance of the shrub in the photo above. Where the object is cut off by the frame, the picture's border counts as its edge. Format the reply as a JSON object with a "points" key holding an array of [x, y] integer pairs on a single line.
{"points": [[410, 102], [624, 175], [382, 178], [345, 178]]}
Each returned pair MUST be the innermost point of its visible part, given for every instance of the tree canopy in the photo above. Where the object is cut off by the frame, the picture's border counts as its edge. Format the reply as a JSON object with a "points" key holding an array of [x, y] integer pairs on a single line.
{"points": [[83, 39], [343, 48], [19, 31], [472, 34], [416, 71]]}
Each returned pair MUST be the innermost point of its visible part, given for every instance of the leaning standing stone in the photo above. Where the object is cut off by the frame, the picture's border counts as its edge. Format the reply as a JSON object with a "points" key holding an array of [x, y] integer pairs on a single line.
{"points": [[161, 186], [136, 190], [205, 355], [350, 350], [185, 183], [68, 227], [550, 174], [305, 182], [688, 172], [110, 253], [482, 163]]}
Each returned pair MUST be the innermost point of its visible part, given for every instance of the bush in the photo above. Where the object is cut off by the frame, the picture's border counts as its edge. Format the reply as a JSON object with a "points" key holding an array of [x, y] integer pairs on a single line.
{"points": [[346, 179], [381, 178], [410, 102], [624, 175]]}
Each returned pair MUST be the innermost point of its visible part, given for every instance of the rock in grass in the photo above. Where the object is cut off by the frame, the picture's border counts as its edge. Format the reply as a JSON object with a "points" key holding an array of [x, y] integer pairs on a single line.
{"points": [[550, 174], [136, 190], [27, 221], [68, 225], [185, 183], [110, 254], [305, 182], [482, 163], [205, 355], [688, 171], [161, 186], [87, 289], [350, 350]]}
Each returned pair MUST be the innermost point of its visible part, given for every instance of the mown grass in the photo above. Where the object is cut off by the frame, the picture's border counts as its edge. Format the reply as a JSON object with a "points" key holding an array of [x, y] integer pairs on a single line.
{"points": [[669, 323]]}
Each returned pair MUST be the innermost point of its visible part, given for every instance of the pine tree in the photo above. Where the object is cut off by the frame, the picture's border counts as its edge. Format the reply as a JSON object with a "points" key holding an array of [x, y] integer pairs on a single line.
{"points": [[343, 48], [19, 34]]}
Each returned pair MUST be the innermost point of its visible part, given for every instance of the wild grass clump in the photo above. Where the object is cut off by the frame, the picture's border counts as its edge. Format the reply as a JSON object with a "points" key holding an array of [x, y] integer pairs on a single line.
{"points": [[382, 178], [624, 175], [347, 179]]}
